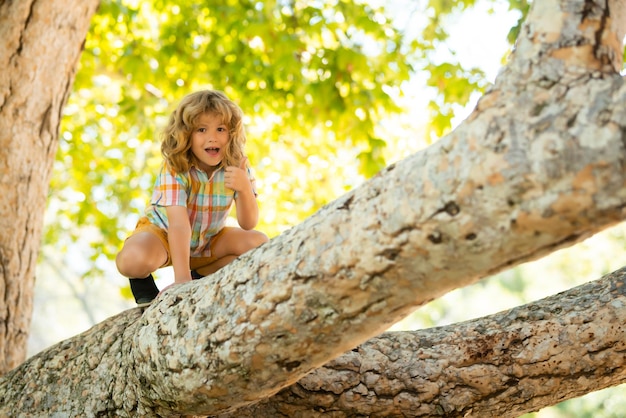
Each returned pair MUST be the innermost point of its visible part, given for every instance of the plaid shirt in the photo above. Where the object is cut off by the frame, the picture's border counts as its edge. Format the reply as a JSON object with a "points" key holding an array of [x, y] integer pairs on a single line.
{"points": [[208, 202]]}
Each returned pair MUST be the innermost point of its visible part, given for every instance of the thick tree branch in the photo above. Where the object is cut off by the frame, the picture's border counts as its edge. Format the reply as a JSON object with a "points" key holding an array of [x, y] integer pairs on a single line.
{"points": [[557, 348], [568, 344]]}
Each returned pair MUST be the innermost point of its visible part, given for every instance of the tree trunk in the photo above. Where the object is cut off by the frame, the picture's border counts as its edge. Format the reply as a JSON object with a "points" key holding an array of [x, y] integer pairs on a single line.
{"points": [[539, 165], [40, 44]]}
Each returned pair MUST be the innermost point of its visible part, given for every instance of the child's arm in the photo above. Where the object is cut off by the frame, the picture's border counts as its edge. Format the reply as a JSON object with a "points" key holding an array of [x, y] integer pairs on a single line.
{"points": [[237, 179], [179, 237], [247, 208]]}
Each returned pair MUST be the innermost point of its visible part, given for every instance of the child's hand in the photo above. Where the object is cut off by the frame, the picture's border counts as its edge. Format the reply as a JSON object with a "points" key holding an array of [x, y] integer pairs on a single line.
{"points": [[236, 178], [176, 282]]}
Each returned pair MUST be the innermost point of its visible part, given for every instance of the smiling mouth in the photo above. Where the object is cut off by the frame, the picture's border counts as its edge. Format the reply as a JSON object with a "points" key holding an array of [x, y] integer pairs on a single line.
{"points": [[212, 150]]}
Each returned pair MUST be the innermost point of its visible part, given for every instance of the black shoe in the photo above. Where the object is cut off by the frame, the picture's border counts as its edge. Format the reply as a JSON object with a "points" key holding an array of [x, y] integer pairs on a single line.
{"points": [[195, 275], [144, 290]]}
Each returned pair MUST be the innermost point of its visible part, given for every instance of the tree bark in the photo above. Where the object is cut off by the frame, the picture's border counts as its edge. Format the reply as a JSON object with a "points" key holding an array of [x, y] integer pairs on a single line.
{"points": [[500, 366], [539, 165], [40, 44], [503, 365]]}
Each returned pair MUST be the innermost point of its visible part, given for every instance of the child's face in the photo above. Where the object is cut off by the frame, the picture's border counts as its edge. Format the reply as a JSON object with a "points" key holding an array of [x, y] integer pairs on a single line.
{"points": [[209, 140]]}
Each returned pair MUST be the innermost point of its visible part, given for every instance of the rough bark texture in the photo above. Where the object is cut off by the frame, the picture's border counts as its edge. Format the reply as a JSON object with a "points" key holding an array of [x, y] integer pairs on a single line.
{"points": [[40, 43], [539, 165], [500, 366]]}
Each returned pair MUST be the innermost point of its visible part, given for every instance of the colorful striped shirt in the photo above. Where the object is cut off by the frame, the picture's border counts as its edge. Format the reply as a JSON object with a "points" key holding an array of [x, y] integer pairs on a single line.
{"points": [[208, 202]]}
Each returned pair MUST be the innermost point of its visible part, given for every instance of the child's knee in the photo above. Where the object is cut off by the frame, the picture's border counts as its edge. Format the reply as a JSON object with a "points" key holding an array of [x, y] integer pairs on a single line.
{"points": [[131, 263], [121, 261], [252, 240], [258, 238]]}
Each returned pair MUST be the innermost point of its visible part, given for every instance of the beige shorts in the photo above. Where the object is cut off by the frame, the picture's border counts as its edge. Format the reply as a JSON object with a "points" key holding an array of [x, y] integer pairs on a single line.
{"points": [[144, 225]]}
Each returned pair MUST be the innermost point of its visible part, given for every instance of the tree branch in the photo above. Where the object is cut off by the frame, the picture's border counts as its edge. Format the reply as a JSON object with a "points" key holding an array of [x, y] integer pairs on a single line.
{"points": [[539, 354]]}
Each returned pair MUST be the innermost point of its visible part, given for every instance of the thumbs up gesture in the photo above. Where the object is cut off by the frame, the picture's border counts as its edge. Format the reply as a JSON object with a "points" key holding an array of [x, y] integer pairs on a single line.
{"points": [[236, 178]]}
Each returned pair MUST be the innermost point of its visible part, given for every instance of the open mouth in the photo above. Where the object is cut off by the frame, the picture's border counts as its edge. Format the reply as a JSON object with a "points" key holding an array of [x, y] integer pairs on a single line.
{"points": [[212, 151]]}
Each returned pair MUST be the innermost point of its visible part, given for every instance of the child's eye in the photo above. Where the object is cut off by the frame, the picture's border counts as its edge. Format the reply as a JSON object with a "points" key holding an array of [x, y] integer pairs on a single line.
{"points": [[221, 129], [201, 129]]}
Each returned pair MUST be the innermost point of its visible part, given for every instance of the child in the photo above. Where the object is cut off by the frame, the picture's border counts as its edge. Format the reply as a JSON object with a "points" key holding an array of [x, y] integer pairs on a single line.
{"points": [[204, 172]]}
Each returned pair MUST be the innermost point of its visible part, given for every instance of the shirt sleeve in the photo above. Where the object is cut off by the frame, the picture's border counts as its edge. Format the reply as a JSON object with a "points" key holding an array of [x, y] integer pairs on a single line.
{"points": [[170, 189]]}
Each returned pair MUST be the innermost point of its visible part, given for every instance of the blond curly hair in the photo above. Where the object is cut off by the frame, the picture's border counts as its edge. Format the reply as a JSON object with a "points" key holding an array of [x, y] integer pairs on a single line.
{"points": [[176, 137]]}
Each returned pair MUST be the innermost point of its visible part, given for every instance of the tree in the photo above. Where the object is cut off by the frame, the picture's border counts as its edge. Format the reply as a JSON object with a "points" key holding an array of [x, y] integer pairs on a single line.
{"points": [[91, 184], [539, 165], [34, 86]]}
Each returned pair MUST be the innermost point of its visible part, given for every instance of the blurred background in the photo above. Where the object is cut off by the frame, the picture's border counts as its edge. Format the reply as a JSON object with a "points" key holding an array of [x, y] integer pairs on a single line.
{"points": [[333, 91]]}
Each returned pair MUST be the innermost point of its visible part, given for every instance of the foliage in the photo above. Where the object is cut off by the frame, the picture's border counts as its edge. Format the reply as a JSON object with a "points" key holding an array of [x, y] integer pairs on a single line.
{"points": [[454, 85], [313, 79]]}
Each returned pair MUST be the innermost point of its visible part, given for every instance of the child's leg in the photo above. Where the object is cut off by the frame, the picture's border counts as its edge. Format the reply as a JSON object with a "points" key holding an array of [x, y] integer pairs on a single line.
{"points": [[143, 253], [214, 266], [230, 243]]}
